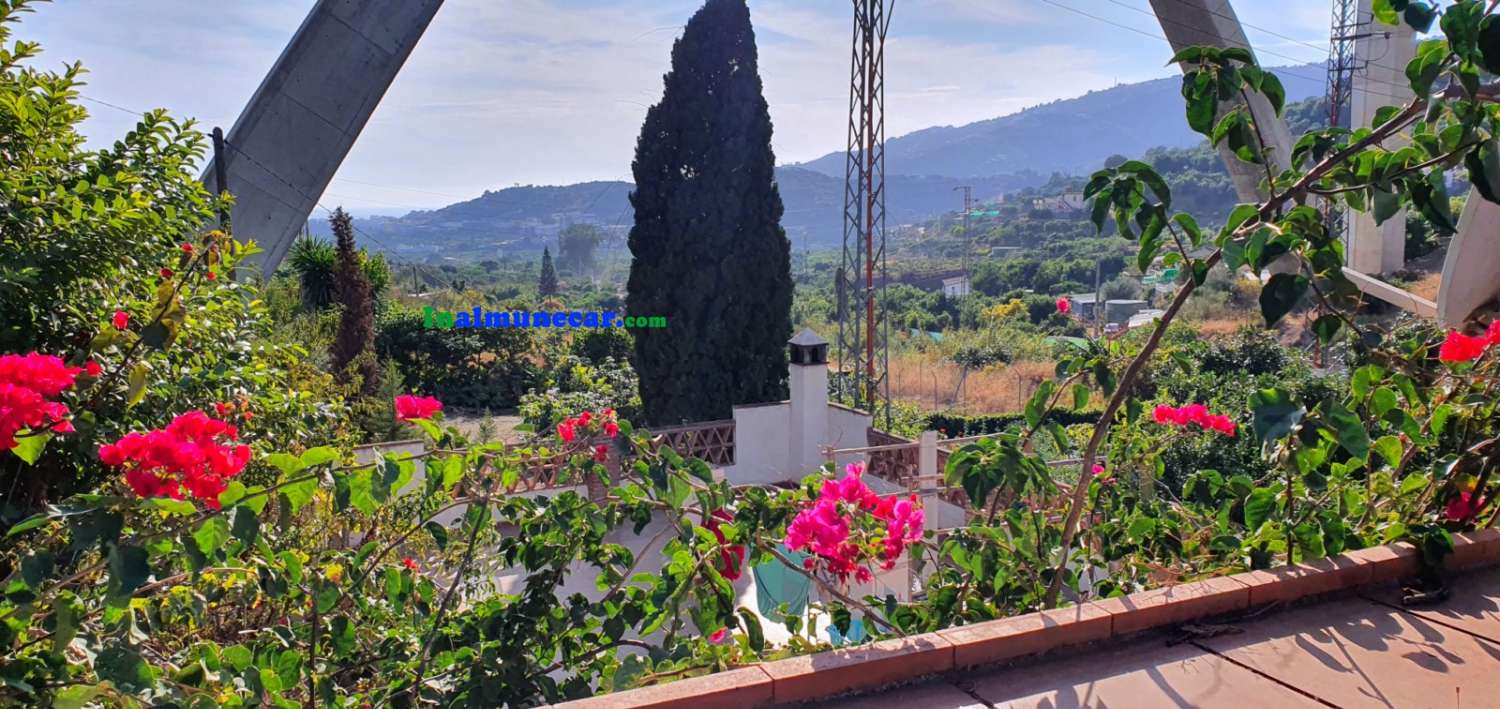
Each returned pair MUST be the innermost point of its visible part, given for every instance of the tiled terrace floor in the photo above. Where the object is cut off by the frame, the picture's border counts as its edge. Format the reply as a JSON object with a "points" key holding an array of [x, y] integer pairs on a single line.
{"points": [[1363, 651]]}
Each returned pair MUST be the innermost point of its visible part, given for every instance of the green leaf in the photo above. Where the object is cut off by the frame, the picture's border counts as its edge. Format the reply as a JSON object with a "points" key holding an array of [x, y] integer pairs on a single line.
{"points": [[238, 656], [76, 696], [1386, 204], [136, 390], [123, 666], [1483, 162], [1258, 507], [29, 524], [318, 456], [299, 493], [128, 570], [288, 464], [1489, 43], [753, 632], [177, 508], [29, 446], [1389, 449], [1280, 295], [1384, 13], [246, 526], [1350, 430], [1327, 328], [1424, 70], [67, 615], [1274, 92], [1080, 396], [1276, 414], [211, 535]]}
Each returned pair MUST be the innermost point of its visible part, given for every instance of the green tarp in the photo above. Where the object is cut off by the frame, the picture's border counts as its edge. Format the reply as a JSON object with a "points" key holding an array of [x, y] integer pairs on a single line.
{"points": [[776, 584]]}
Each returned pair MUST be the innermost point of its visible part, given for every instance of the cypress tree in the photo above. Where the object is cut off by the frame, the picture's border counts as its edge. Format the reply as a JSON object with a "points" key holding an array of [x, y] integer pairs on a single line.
{"points": [[352, 351], [708, 249], [546, 287]]}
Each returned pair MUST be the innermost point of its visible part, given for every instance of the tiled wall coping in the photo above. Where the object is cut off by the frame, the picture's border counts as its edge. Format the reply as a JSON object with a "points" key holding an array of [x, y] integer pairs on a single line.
{"points": [[867, 667]]}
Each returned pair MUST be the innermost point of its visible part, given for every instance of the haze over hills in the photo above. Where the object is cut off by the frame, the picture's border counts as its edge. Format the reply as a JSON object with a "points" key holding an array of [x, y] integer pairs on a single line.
{"points": [[923, 169], [1071, 135]]}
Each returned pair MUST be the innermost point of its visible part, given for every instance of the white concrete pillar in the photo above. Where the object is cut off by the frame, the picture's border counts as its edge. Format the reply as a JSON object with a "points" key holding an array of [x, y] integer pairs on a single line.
{"points": [[1213, 23], [1383, 55], [301, 122]]}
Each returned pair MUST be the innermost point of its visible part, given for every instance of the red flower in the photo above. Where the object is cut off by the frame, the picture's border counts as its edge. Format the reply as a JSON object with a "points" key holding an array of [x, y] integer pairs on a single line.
{"points": [[611, 429], [1463, 507], [609, 413], [409, 563], [28, 386], [1097, 470], [584, 418], [166, 273], [92, 369], [601, 453], [1493, 334], [194, 455], [186, 248], [122, 320], [732, 557], [410, 408], [211, 276], [719, 636], [1064, 306], [222, 409], [1462, 348], [565, 431]]}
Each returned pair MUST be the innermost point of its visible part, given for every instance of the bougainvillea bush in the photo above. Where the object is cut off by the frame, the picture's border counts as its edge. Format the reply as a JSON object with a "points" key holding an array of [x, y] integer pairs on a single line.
{"points": [[208, 560]]}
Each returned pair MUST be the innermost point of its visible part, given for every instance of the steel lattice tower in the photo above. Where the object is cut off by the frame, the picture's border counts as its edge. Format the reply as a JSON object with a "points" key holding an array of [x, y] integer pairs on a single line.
{"points": [[862, 354], [1343, 63]]}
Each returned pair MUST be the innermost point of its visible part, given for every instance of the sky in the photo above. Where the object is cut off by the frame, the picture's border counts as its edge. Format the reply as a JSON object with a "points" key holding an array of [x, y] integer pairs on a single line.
{"points": [[509, 92]]}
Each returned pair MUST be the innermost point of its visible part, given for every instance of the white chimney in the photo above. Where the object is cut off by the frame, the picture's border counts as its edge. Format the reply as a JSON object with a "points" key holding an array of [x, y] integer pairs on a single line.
{"points": [[808, 425]]}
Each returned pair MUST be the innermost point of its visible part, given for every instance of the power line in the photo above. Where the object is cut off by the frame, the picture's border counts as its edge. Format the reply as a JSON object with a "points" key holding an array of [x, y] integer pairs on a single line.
{"points": [[1153, 35], [1323, 50]]}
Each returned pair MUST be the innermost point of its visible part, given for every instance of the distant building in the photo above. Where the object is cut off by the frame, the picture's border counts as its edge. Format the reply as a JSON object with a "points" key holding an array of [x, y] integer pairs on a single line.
{"points": [[956, 287], [1065, 203], [1084, 304], [1144, 318], [1121, 311]]}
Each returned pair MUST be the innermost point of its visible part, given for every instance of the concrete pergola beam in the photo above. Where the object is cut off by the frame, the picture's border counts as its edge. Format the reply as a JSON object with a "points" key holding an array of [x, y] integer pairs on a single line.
{"points": [[1213, 23], [302, 121]]}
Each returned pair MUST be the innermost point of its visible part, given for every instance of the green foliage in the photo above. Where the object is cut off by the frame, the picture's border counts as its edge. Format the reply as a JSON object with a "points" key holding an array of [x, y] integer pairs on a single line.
{"points": [[474, 368], [576, 246], [709, 251], [576, 383]]}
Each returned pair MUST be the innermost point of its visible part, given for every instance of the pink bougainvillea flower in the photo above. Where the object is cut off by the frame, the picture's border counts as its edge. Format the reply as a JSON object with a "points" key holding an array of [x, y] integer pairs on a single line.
{"points": [[1493, 334], [585, 417], [28, 386], [601, 453], [1064, 306], [186, 248], [92, 369], [193, 456], [1462, 507], [411, 408], [121, 320], [1194, 414], [1098, 469], [1462, 348], [409, 563], [566, 432], [222, 409], [845, 505], [211, 276], [611, 429], [166, 273], [719, 636]]}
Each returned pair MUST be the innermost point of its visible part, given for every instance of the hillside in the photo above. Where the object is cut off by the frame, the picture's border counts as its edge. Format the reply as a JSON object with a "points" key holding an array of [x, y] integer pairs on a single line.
{"points": [[995, 157], [1072, 135]]}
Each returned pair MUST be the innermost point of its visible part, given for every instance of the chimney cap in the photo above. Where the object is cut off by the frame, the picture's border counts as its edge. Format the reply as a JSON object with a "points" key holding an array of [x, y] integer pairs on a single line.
{"points": [[807, 349], [808, 338]]}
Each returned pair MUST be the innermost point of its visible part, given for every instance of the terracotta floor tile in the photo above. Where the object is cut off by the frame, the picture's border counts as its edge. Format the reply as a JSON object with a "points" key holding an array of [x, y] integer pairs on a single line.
{"points": [[1472, 608], [932, 695], [1356, 653], [1142, 674]]}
